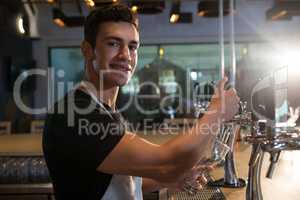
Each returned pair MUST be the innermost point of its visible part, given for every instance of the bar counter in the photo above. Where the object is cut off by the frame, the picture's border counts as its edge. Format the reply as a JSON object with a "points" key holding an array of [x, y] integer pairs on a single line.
{"points": [[21, 145], [25, 146], [284, 184]]}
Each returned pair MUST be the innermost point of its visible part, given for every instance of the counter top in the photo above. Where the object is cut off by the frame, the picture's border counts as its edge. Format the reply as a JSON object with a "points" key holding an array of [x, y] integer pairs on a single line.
{"points": [[21, 145], [45, 188]]}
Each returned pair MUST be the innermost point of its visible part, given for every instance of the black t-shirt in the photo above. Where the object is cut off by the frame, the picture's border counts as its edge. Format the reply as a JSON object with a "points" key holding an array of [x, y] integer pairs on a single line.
{"points": [[75, 143]]}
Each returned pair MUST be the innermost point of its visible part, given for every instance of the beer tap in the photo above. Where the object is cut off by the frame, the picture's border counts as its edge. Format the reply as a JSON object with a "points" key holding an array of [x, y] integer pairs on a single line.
{"points": [[272, 140], [230, 130]]}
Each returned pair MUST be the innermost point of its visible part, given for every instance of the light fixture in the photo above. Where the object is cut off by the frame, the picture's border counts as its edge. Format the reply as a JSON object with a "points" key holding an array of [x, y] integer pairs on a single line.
{"points": [[281, 14], [210, 8], [105, 3], [176, 16], [275, 14], [175, 12], [161, 52], [147, 7], [90, 3], [278, 12], [193, 75], [284, 10], [134, 9], [20, 25], [202, 13], [58, 17], [51, 1], [245, 51]]}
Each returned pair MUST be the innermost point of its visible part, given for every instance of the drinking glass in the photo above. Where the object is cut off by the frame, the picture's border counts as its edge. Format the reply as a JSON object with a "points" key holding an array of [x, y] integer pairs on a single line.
{"points": [[211, 157]]}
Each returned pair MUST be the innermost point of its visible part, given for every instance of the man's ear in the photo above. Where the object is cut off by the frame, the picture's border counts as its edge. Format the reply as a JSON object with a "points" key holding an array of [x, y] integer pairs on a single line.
{"points": [[87, 50]]}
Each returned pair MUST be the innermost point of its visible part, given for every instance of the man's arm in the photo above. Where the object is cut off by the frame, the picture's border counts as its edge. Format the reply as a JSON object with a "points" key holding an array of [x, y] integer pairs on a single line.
{"points": [[168, 162], [150, 185], [164, 163]]}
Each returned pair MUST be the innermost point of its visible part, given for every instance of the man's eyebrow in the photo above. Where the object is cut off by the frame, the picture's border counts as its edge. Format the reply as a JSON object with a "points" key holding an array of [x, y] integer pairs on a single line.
{"points": [[120, 40]]}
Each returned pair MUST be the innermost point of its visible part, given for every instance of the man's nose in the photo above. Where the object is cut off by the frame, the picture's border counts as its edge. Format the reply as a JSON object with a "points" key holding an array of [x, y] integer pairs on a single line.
{"points": [[124, 53]]}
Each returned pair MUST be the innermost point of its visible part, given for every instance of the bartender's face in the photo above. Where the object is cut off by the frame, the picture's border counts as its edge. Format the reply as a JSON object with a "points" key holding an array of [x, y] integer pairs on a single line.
{"points": [[116, 52]]}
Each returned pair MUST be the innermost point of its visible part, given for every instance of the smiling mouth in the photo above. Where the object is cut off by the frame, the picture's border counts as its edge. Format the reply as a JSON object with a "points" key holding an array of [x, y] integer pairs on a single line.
{"points": [[121, 67]]}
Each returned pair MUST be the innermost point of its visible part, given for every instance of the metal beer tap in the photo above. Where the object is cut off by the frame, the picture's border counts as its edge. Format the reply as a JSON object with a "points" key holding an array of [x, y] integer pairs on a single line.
{"points": [[272, 140], [229, 131]]}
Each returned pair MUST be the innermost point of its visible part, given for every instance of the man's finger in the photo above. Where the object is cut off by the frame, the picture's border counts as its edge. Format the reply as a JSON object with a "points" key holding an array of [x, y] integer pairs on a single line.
{"points": [[291, 110], [204, 167], [222, 83], [209, 168], [202, 179]]}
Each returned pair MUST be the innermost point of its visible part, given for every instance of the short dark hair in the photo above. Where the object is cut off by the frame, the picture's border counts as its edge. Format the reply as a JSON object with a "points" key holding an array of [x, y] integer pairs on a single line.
{"points": [[110, 13]]}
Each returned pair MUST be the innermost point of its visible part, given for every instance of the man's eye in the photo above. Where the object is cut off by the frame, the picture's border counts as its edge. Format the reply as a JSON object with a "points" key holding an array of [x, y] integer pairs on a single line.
{"points": [[133, 47], [113, 44]]}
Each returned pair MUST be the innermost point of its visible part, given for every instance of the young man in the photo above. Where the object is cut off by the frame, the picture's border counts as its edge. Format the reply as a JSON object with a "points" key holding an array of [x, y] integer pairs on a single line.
{"points": [[89, 152]]}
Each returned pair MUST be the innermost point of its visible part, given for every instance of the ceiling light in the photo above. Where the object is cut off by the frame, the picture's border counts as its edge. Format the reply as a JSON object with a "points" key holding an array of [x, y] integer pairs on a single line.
{"points": [[161, 52], [147, 7], [20, 25], [244, 51], [175, 12], [58, 17], [210, 8], [275, 14], [284, 10], [193, 75], [59, 22], [50, 1], [202, 13], [90, 3], [134, 9], [104, 3], [174, 18], [281, 14]]}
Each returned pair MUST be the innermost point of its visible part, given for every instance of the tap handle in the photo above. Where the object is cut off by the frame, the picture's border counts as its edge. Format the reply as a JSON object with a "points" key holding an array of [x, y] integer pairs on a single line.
{"points": [[274, 156], [243, 107], [271, 170]]}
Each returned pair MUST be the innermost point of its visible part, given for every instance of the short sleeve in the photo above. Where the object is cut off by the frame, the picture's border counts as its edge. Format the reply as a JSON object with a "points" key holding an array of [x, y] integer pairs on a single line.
{"points": [[97, 135], [91, 138]]}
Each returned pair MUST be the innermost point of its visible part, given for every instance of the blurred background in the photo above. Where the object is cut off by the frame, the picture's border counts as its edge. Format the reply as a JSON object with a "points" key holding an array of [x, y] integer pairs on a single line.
{"points": [[182, 52]]}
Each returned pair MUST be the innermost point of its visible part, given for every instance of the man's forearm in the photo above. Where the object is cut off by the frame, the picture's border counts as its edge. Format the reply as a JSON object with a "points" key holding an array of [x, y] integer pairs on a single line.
{"points": [[151, 185], [188, 147]]}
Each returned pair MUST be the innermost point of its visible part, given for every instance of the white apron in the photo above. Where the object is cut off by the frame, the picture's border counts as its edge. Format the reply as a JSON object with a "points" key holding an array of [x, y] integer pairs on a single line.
{"points": [[121, 187], [124, 188]]}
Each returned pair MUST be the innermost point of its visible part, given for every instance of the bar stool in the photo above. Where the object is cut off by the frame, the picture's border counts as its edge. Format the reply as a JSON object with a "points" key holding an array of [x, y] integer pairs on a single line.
{"points": [[5, 128], [37, 126]]}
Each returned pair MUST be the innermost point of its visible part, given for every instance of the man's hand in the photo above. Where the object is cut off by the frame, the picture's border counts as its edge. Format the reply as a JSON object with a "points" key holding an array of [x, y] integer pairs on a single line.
{"points": [[193, 179], [224, 102]]}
